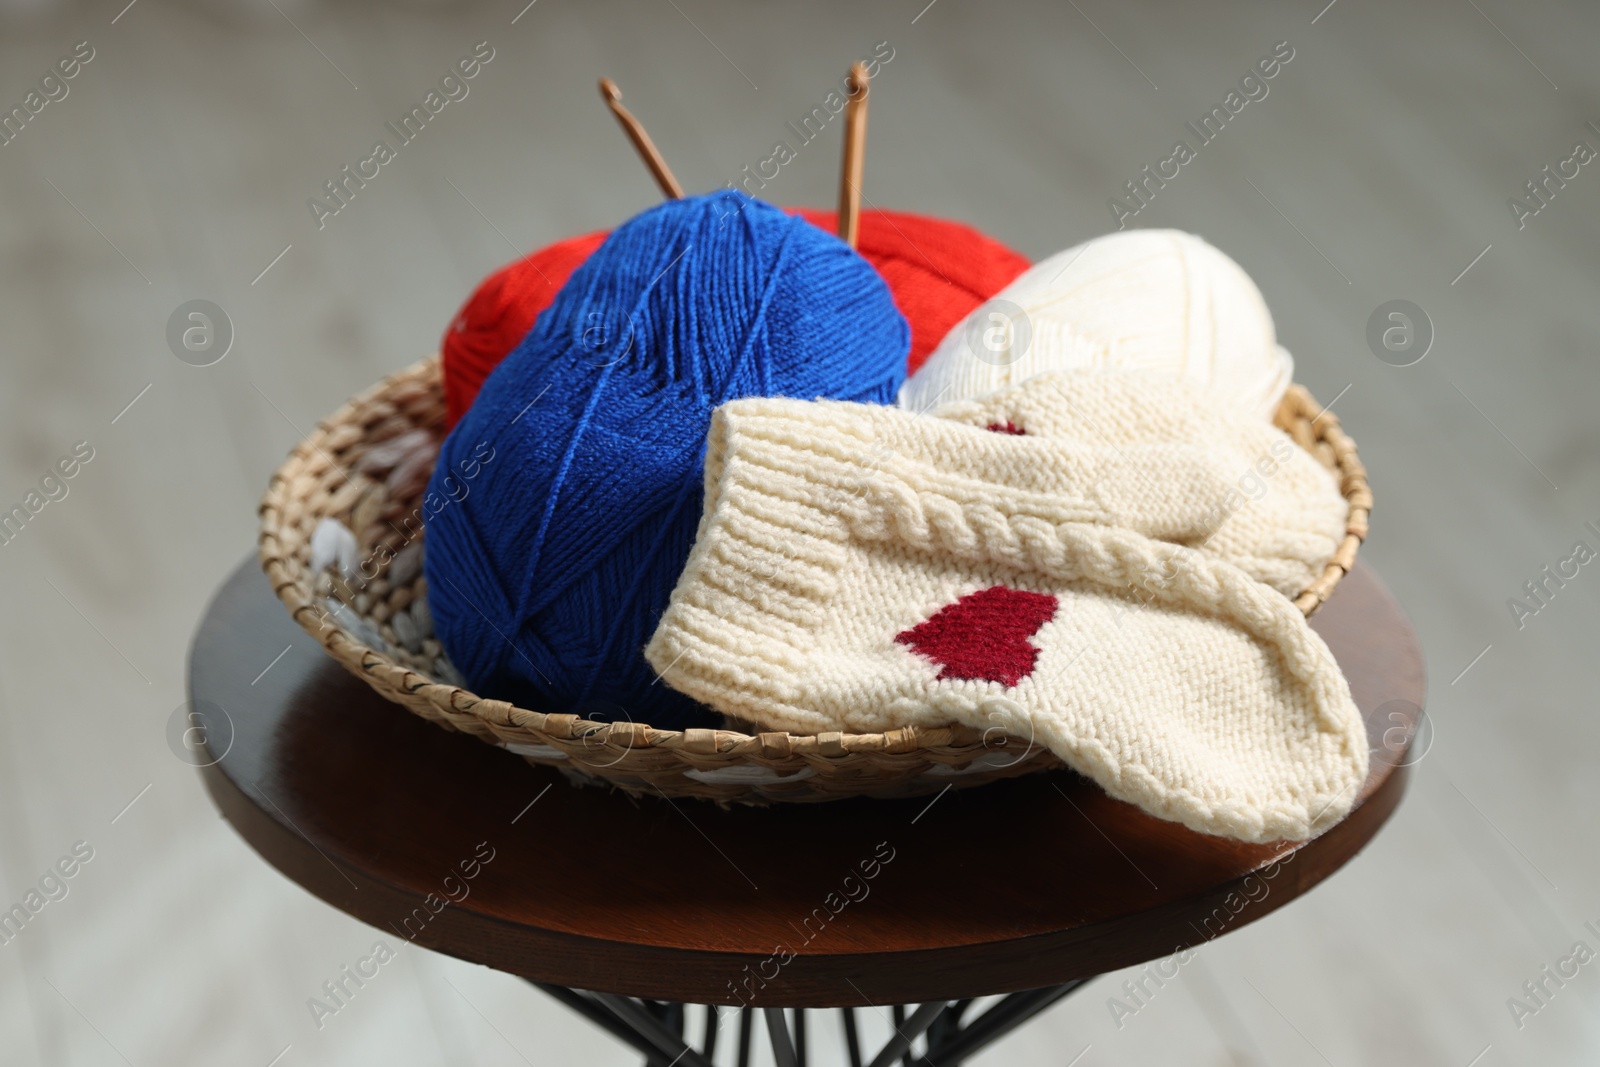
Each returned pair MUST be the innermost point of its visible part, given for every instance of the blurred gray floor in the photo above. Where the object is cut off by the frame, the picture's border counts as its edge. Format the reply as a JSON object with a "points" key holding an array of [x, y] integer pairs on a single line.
{"points": [[1379, 167]]}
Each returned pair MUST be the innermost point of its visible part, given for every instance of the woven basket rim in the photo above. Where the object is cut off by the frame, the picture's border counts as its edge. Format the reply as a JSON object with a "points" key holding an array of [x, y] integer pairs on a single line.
{"points": [[1298, 414]]}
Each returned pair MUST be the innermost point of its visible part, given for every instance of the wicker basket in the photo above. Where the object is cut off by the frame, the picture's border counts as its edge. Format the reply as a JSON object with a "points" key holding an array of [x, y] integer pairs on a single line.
{"points": [[367, 467]]}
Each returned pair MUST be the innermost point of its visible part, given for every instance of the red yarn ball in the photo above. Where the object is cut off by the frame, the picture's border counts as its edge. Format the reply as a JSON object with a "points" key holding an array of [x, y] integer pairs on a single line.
{"points": [[496, 317], [937, 271]]}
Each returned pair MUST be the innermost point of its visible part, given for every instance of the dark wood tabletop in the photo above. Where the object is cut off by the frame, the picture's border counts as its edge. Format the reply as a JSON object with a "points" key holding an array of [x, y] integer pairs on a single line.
{"points": [[470, 851]]}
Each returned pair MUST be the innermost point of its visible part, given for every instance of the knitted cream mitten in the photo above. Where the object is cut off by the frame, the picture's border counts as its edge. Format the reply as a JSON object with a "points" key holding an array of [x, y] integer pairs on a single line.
{"points": [[859, 568], [1267, 505]]}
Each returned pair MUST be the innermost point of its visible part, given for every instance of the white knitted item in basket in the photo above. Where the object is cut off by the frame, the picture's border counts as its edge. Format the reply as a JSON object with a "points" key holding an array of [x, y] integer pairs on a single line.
{"points": [[861, 568], [1162, 460]]}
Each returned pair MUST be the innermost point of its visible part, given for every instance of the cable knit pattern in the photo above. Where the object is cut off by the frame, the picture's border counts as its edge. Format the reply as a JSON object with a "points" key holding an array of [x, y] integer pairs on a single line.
{"points": [[1264, 504], [850, 558]]}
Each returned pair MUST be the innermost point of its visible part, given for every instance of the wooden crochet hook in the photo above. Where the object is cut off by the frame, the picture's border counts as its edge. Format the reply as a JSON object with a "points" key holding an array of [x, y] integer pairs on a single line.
{"points": [[641, 141], [855, 149]]}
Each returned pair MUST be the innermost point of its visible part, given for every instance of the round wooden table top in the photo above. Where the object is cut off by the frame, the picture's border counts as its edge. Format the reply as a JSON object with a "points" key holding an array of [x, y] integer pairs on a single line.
{"points": [[469, 850]]}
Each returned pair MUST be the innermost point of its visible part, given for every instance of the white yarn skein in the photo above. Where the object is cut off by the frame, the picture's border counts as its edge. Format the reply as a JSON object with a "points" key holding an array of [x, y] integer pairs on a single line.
{"points": [[1155, 300]]}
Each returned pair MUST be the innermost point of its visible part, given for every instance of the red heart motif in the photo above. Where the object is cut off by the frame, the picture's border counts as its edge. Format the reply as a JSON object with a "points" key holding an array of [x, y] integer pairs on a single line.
{"points": [[1008, 427], [984, 636]]}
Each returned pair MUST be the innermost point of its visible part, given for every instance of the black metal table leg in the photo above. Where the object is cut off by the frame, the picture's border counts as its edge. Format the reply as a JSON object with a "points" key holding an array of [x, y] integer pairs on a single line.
{"points": [[647, 1027], [907, 1031], [746, 1016], [656, 1028], [602, 1018], [852, 1044], [948, 1021], [778, 1032], [708, 1041], [670, 1014], [995, 1023]]}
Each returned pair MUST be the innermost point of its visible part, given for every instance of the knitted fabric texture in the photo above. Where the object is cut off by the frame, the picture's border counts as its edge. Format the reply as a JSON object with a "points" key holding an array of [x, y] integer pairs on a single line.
{"points": [[551, 560], [937, 271], [1156, 300], [863, 569], [1172, 466]]}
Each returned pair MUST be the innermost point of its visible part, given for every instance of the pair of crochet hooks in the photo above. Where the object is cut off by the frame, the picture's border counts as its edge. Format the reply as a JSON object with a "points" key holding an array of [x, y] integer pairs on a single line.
{"points": [[851, 171]]}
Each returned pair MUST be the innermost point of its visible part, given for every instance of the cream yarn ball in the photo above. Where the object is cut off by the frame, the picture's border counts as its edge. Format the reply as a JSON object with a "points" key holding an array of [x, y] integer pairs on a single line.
{"points": [[1156, 300]]}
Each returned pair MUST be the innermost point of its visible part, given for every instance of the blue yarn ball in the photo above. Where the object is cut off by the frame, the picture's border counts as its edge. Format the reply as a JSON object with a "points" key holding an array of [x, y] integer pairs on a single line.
{"points": [[565, 502]]}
